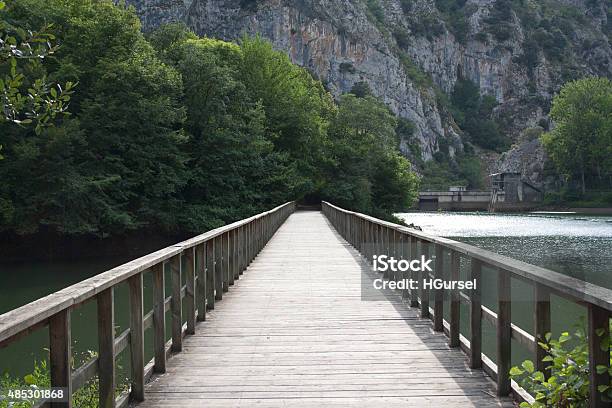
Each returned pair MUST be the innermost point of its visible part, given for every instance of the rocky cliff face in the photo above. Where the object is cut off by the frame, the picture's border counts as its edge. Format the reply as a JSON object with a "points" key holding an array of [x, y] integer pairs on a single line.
{"points": [[411, 52]]}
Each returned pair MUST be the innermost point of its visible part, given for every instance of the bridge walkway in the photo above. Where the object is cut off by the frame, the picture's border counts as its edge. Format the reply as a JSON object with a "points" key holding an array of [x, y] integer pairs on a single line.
{"points": [[304, 327]]}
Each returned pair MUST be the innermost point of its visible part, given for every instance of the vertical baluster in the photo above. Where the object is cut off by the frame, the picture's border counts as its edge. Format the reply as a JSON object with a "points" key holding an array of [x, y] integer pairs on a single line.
{"points": [[476, 316], [598, 330], [190, 290], [424, 276], [136, 337], [241, 248], [175, 304], [504, 332], [439, 293], [60, 355], [455, 301], [541, 320], [106, 348], [210, 274], [201, 284], [159, 317]]}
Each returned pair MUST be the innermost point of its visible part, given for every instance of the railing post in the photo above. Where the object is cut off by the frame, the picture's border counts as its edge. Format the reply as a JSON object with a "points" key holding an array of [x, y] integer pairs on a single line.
{"points": [[106, 348], [455, 301], [234, 256], [404, 251], [190, 290], [159, 317], [476, 316], [414, 300], [219, 267], [504, 332], [60, 355], [175, 304], [210, 274], [541, 324], [241, 251], [201, 283], [424, 276], [438, 293], [136, 337], [225, 238], [598, 330]]}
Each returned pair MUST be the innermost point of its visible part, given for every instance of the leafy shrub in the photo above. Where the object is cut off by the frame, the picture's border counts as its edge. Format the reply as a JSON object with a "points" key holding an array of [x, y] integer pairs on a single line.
{"points": [[567, 385]]}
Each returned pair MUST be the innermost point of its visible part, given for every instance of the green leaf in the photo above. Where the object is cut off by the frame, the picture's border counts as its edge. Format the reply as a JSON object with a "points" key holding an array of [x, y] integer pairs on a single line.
{"points": [[29, 379], [528, 365], [602, 388], [514, 371], [601, 369]]}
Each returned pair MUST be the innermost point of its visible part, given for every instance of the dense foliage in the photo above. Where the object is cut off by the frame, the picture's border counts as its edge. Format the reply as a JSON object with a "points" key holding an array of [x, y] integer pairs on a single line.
{"points": [[580, 145], [175, 133]]}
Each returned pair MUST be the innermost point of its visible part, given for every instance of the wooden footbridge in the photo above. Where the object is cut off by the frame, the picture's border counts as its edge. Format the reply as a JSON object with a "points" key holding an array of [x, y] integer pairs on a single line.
{"points": [[279, 310]]}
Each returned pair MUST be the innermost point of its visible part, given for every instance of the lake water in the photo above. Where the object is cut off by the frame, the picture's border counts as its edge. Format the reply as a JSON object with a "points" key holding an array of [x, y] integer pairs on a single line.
{"points": [[574, 245], [579, 246]]}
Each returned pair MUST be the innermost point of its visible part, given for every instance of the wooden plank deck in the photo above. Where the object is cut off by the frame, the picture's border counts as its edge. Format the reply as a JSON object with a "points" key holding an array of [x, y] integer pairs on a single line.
{"points": [[297, 331]]}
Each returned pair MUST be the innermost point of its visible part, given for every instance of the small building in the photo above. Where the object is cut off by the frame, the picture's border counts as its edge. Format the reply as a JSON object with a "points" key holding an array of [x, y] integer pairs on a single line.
{"points": [[515, 188], [457, 188]]}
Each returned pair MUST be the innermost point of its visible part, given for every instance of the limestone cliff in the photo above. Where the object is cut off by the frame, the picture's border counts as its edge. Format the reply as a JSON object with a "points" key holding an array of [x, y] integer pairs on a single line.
{"points": [[411, 52]]}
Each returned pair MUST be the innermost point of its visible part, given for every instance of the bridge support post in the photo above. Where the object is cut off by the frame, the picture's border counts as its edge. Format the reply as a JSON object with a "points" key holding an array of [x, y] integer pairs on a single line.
{"points": [[438, 293], [424, 275], [504, 332], [175, 303], [201, 283], [106, 348], [218, 268], [455, 301], [159, 318], [541, 323], [414, 299], [190, 290], [210, 274], [476, 317], [599, 356], [60, 355], [136, 337]]}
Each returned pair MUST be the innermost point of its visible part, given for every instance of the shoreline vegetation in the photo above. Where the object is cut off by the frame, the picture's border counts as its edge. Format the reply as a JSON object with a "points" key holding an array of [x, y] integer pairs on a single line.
{"points": [[171, 134]]}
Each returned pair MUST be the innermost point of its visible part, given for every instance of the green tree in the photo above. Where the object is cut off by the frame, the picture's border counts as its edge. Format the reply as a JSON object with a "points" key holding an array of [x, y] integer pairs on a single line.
{"points": [[368, 173], [297, 107], [580, 145], [234, 169]]}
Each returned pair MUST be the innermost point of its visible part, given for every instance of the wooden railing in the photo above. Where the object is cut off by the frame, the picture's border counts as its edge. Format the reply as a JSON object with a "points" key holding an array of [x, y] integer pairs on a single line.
{"points": [[371, 236], [214, 260]]}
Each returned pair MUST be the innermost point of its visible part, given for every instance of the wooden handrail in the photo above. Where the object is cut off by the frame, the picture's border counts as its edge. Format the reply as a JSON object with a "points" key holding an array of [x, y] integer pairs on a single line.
{"points": [[213, 261], [371, 236]]}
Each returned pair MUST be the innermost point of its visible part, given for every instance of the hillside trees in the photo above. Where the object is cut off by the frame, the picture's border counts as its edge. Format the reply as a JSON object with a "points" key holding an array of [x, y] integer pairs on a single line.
{"points": [[176, 133], [580, 145]]}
